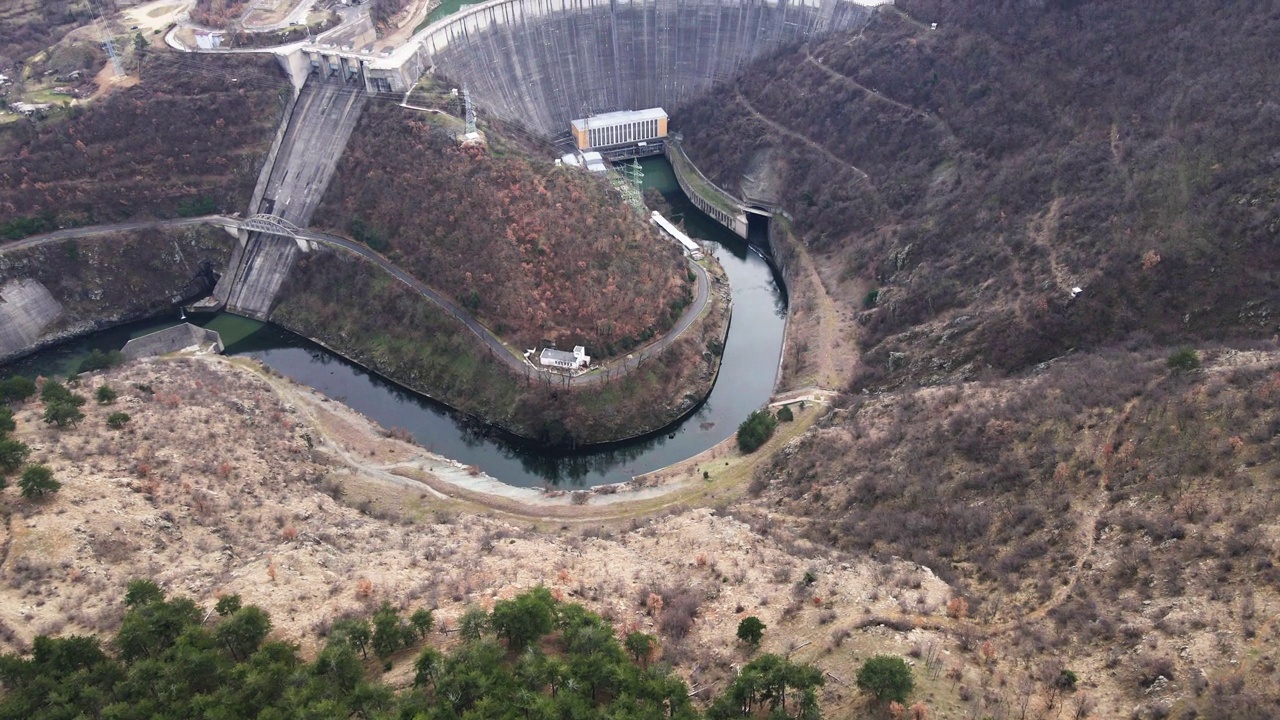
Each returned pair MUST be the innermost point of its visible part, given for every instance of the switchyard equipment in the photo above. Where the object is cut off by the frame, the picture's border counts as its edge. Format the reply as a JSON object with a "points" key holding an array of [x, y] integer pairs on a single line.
{"points": [[622, 135]]}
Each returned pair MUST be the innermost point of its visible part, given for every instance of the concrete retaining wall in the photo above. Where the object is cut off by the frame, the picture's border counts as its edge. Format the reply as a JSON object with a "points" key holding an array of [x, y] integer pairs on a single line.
{"points": [[104, 280], [704, 194], [178, 337], [26, 309]]}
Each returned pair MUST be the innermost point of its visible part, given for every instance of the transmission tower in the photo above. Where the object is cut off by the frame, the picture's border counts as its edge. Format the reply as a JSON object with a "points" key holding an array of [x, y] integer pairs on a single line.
{"points": [[108, 42], [633, 185], [471, 111]]}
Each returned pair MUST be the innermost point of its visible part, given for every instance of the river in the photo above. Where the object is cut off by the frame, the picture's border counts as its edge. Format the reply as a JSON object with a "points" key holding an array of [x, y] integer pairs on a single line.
{"points": [[752, 351]]}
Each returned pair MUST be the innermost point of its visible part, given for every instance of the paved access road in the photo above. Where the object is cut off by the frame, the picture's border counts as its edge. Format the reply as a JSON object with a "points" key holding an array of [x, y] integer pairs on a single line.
{"points": [[701, 294]]}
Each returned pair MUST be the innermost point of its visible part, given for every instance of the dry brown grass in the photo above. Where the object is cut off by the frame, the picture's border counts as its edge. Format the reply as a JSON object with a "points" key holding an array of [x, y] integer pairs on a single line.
{"points": [[234, 501]]}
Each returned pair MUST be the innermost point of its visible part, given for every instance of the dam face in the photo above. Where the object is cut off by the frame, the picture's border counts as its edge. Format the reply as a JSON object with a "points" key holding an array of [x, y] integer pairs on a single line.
{"points": [[543, 63]]}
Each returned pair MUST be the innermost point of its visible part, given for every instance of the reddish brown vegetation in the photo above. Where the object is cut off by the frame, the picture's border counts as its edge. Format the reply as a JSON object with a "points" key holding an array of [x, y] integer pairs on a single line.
{"points": [[218, 13], [189, 139], [27, 26], [539, 253]]}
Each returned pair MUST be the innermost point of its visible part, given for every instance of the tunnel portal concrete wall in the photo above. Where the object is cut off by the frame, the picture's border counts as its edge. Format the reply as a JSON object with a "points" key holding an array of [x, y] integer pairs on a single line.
{"points": [[545, 62], [26, 309]]}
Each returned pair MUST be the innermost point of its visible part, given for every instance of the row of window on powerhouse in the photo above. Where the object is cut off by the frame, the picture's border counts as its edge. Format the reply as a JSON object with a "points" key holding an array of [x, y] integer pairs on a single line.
{"points": [[623, 133]]}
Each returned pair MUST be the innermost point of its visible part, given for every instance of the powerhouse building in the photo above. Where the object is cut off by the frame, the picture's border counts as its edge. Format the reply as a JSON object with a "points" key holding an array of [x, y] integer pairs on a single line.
{"points": [[627, 133]]}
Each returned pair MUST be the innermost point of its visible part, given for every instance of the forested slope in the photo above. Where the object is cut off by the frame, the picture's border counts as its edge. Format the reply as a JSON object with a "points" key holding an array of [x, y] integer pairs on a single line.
{"points": [[538, 252], [531, 657], [975, 174], [27, 26], [188, 139]]}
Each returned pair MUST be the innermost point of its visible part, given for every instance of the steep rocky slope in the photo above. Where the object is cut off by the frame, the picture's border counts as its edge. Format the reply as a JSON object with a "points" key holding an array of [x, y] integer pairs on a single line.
{"points": [[956, 185], [105, 280]]}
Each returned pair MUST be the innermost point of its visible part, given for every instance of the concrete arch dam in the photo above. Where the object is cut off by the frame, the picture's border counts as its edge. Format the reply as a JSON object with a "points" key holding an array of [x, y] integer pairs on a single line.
{"points": [[543, 63]]}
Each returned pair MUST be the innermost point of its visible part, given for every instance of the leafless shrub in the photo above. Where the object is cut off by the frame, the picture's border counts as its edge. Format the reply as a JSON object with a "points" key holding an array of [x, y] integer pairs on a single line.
{"points": [[839, 635], [679, 609], [1149, 668]]}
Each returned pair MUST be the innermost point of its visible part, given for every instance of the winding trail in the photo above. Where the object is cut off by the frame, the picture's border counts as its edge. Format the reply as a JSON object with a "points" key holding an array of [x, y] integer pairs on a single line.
{"points": [[938, 121], [783, 129], [501, 350]]}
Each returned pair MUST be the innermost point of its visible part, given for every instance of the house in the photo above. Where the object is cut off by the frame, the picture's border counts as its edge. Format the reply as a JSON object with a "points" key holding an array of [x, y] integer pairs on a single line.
{"points": [[576, 360]]}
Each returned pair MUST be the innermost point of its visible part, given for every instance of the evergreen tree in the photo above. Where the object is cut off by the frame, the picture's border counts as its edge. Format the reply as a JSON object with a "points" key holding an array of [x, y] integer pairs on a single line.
{"points": [[16, 389], [751, 630], [422, 619], [37, 481], [12, 455], [473, 623], [523, 619], [244, 631], [886, 677]]}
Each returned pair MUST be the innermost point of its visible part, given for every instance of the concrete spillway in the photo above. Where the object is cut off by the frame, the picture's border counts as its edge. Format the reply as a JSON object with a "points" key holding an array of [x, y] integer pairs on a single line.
{"points": [[322, 120], [545, 62]]}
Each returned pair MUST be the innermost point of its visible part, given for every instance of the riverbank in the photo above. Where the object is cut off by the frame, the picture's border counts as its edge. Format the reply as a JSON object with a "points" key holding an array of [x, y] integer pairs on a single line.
{"points": [[58, 291], [357, 311], [746, 370], [424, 481]]}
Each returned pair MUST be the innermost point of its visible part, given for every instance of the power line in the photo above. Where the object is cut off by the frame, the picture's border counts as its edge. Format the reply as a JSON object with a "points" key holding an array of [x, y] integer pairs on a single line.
{"points": [[107, 41], [471, 111]]}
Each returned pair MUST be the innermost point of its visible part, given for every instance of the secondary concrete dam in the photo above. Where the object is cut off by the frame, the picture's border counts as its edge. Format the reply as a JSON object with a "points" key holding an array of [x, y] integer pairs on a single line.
{"points": [[545, 62], [317, 131]]}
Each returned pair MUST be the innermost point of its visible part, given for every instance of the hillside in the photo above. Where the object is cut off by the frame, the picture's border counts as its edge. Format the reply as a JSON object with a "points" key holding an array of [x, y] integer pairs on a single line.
{"points": [[540, 254], [218, 13], [228, 480], [27, 26], [955, 185], [1018, 217], [366, 315], [1111, 514], [188, 139]]}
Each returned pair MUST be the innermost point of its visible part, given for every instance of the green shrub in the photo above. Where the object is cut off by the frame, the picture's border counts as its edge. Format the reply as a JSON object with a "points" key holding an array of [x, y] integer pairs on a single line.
{"points": [[756, 430], [361, 231], [16, 389], [99, 360], [751, 630], [1184, 360], [106, 395], [63, 413], [37, 481], [117, 420], [785, 414], [54, 391], [886, 677], [197, 206], [870, 300], [12, 455]]}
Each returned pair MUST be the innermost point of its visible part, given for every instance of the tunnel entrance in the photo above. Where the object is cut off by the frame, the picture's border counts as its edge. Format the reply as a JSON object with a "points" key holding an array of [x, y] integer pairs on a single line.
{"points": [[758, 232]]}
